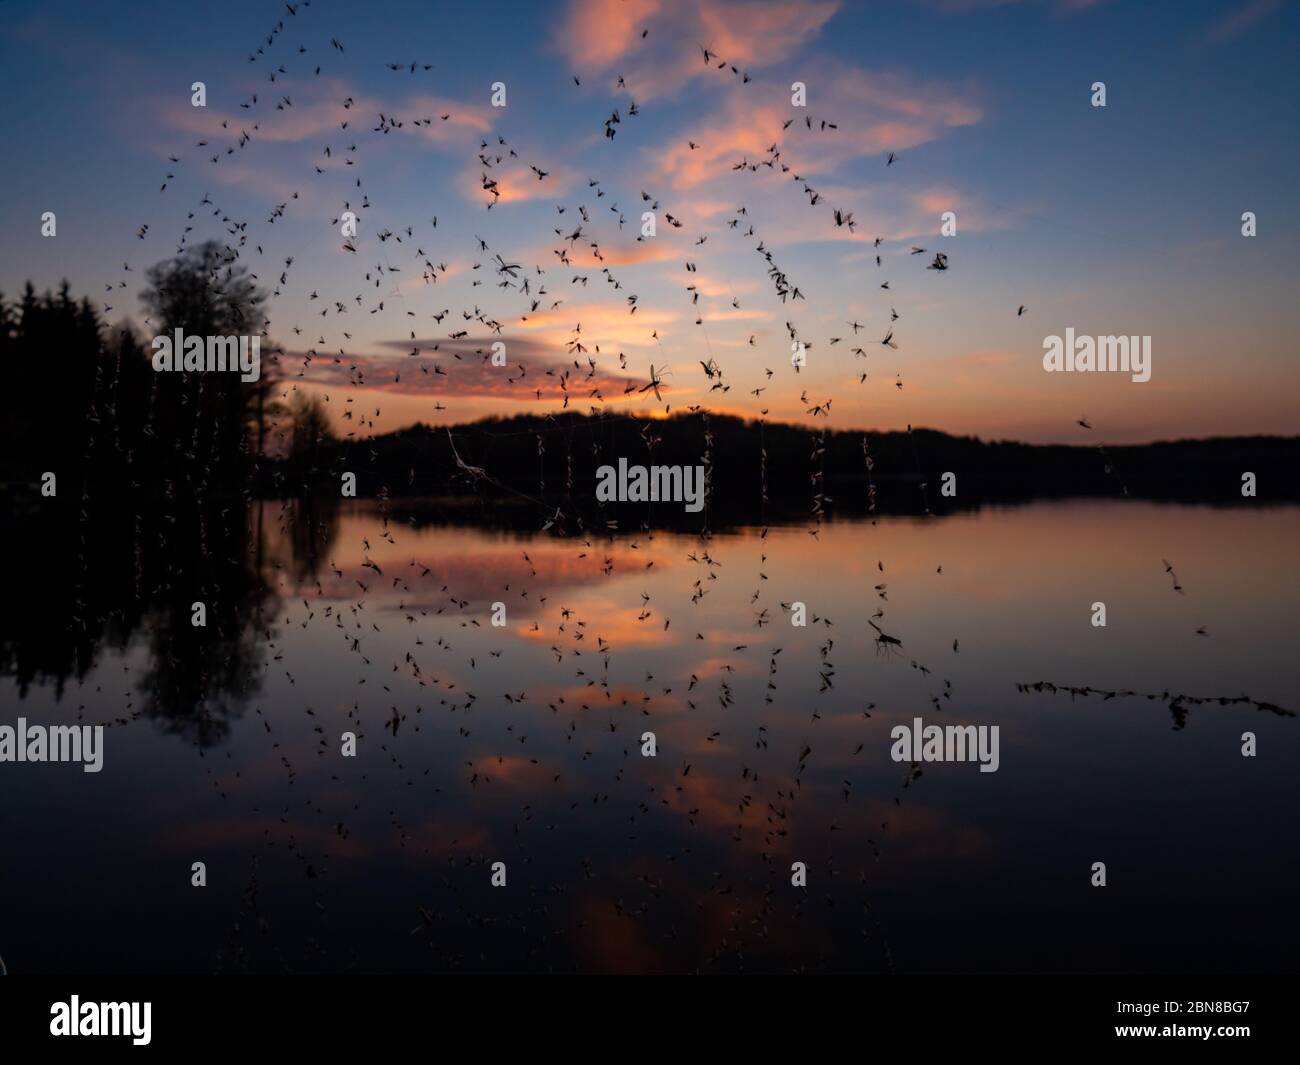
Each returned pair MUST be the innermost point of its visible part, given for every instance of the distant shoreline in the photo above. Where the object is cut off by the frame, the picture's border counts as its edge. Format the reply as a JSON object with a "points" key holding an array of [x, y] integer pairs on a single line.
{"points": [[555, 457]]}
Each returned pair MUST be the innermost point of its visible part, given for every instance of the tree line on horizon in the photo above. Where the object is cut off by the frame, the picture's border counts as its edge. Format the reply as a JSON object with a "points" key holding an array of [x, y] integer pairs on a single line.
{"points": [[761, 470], [84, 402]]}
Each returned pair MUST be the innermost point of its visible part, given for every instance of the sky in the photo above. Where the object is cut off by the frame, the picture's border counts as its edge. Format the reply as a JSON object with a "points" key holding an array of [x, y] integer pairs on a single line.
{"points": [[1124, 219]]}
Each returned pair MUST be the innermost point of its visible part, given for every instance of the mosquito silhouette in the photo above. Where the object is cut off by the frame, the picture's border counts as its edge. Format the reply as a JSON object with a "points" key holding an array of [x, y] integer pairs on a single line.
{"points": [[509, 269], [884, 642], [656, 379]]}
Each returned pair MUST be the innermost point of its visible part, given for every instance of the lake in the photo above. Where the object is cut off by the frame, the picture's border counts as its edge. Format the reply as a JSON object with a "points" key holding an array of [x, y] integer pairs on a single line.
{"points": [[522, 744]]}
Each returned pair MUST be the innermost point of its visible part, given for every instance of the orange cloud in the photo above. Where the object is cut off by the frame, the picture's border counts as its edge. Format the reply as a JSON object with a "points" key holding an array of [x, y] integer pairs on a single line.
{"points": [[758, 34], [745, 131], [515, 183], [889, 112], [623, 255], [597, 34], [605, 324]]}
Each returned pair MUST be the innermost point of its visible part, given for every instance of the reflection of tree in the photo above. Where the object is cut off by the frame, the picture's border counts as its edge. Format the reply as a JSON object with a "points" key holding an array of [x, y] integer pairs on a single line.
{"points": [[97, 572], [199, 678], [311, 525], [152, 511], [67, 596]]}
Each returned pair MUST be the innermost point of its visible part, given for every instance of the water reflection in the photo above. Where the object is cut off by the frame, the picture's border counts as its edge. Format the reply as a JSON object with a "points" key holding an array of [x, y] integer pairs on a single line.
{"points": [[523, 743]]}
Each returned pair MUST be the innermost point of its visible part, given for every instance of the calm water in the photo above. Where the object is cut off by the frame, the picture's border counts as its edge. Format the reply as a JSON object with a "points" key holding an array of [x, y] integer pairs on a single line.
{"points": [[522, 745]]}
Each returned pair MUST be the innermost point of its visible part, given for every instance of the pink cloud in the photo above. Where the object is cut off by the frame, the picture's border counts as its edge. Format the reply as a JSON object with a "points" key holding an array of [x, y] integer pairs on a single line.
{"points": [[318, 110], [533, 365]]}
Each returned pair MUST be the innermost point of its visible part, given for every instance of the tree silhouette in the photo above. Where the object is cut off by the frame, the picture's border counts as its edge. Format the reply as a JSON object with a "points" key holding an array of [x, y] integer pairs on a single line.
{"points": [[154, 503], [311, 439], [205, 292]]}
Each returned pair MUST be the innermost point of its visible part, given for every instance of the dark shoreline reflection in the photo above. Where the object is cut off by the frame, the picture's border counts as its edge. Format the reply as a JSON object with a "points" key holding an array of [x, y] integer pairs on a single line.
{"points": [[136, 579], [104, 573]]}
